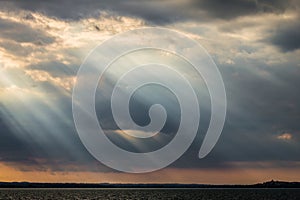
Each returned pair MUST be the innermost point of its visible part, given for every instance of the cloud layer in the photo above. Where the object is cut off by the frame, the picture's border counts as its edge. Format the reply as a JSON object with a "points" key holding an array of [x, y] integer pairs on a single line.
{"points": [[254, 43]]}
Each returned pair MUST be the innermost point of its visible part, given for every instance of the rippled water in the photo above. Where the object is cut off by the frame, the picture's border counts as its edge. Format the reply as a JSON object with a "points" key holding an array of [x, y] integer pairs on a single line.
{"points": [[204, 194]]}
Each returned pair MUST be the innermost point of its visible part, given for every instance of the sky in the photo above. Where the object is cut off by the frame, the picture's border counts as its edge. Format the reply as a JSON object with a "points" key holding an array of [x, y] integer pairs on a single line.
{"points": [[254, 43]]}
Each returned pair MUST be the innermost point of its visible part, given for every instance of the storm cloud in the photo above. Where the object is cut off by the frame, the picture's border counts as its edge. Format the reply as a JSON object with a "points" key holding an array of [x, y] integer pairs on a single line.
{"points": [[287, 36], [155, 11], [255, 44]]}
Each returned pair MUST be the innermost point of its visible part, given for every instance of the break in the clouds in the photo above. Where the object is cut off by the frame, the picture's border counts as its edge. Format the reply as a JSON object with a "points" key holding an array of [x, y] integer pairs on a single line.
{"points": [[254, 43]]}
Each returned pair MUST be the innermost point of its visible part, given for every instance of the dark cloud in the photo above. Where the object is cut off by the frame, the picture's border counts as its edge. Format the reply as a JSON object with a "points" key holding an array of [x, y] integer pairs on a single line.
{"points": [[16, 48], [9, 141], [155, 11], [19, 32], [235, 8], [286, 36], [158, 12], [259, 109], [55, 68], [51, 145]]}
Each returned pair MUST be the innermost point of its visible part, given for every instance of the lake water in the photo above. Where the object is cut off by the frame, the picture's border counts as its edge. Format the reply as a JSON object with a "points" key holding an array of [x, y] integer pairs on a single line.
{"points": [[203, 194]]}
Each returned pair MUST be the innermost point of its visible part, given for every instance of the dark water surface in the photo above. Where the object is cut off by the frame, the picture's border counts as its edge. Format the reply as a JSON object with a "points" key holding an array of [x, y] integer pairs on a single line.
{"points": [[203, 194]]}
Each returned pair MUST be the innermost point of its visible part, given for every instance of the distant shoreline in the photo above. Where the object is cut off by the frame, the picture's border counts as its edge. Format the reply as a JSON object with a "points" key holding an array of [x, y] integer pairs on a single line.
{"points": [[269, 184]]}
